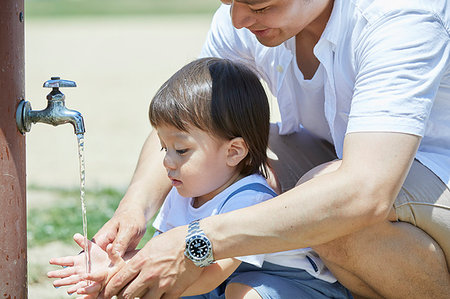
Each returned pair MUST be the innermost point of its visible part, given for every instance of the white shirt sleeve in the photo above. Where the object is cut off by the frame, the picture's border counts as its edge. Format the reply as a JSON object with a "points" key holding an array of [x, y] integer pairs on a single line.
{"points": [[398, 74]]}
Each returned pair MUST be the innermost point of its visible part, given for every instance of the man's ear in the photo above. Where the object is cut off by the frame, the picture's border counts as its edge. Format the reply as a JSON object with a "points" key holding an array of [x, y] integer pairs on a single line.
{"points": [[237, 151]]}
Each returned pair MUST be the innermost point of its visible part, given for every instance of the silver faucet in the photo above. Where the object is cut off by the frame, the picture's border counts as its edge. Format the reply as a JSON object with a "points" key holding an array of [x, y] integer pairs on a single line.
{"points": [[55, 113]]}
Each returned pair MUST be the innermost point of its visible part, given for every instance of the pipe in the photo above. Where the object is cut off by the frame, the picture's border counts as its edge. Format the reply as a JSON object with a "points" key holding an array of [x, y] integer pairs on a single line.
{"points": [[13, 236]]}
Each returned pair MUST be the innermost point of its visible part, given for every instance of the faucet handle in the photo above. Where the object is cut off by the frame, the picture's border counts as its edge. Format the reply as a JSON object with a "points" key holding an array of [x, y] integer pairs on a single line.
{"points": [[56, 82]]}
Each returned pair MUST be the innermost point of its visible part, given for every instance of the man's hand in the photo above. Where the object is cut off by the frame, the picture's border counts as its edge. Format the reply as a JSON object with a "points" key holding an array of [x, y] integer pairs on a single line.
{"points": [[124, 230], [159, 270]]}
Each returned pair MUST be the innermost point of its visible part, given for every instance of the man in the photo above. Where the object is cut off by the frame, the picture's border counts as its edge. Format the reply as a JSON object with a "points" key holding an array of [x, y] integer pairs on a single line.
{"points": [[370, 77]]}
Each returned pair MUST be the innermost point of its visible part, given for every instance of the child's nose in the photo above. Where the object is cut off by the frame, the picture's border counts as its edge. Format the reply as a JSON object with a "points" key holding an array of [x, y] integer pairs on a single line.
{"points": [[168, 162]]}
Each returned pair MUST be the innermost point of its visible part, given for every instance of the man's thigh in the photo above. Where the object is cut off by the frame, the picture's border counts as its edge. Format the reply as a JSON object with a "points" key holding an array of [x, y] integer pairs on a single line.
{"points": [[388, 260], [291, 156], [424, 201]]}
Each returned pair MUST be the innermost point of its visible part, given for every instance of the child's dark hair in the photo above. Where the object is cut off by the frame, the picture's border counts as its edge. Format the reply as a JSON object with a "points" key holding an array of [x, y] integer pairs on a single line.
{"points": [[221, 97]]}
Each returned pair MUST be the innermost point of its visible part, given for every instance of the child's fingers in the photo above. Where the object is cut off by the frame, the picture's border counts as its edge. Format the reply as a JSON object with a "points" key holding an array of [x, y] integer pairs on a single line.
{"points": [[79, 239], [66, 261], [92, 288], [98, 276], [71, 280], [62, 273], [74, 288]]}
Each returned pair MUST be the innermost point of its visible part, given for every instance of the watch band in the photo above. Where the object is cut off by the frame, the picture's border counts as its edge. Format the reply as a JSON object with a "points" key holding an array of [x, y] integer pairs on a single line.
{"points": [[194, 229], [195, 233]]}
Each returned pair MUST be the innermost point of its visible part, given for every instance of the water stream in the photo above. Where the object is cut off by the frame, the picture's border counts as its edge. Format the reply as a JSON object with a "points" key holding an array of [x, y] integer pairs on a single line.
{"points": [[87, 255]]}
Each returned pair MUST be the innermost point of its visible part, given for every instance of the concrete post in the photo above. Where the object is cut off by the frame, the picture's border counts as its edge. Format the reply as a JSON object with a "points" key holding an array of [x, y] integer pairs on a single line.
{"points": [[13, 236]]}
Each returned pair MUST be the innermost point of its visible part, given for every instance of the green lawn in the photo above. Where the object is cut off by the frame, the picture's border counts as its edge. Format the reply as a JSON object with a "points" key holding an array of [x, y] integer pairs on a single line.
{"points": [[60, 222], [64, 8]]}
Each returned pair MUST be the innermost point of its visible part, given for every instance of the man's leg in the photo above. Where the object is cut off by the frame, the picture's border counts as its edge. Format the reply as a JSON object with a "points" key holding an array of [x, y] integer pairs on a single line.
{"points": [[291, 156], [239, 290], [359, 288], [394, 260]]}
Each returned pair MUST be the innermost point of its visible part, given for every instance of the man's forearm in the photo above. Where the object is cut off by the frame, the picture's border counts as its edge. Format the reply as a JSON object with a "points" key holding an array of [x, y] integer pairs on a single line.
{"points": [[301, 217]]}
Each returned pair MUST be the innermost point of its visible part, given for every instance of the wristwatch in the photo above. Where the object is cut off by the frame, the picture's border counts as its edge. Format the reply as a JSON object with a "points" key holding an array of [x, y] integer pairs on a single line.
{"points": [[198, 246]]}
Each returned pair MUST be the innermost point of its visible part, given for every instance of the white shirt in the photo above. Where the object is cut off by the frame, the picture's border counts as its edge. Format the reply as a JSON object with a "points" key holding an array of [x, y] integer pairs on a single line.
{"points": [[178, 211], [385, 67]]}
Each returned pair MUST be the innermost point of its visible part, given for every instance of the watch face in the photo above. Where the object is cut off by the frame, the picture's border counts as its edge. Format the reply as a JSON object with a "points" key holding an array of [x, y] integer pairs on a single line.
{"points": [[198, 248]]}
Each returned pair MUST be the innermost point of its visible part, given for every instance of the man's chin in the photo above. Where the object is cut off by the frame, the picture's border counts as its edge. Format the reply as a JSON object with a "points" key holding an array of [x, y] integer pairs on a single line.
{"points": [[269, 42]]}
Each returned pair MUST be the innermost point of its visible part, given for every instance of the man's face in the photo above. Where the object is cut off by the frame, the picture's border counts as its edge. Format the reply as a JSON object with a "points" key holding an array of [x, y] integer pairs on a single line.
{"points": [[274, 21]]}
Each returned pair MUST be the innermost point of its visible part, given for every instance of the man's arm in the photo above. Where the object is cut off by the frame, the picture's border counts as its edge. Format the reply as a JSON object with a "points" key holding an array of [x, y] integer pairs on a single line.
{"points": [[357, 194], [144, 197]]}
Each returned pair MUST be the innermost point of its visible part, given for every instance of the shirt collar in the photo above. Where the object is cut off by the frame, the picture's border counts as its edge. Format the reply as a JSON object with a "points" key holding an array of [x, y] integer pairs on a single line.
{"points": [[331, 31], [333, 27]]}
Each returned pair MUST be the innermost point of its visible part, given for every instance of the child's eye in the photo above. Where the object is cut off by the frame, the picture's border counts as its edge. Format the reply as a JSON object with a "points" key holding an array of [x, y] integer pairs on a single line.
{"points": [[182, 151]]}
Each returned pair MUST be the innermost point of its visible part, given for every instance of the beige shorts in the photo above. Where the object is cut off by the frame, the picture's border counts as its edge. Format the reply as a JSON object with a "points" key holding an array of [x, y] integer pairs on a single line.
{"points": [[424, 200]]}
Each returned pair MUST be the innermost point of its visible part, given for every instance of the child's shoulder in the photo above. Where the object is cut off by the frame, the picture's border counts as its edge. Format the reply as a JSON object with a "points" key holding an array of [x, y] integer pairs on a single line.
{"points": [[254, 184], [248, 191]]}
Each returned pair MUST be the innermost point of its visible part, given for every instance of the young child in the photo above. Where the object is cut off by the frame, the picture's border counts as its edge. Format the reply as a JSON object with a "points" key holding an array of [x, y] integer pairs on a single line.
{"points": [[212, 119]]}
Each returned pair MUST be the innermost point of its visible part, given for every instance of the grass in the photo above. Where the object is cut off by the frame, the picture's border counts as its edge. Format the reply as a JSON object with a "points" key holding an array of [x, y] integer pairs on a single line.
{"points": [[60, 222], [64, 8]]}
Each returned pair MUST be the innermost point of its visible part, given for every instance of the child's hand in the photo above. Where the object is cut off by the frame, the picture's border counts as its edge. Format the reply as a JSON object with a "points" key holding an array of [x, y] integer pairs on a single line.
{"points": [[104, 264], [100, 278]]}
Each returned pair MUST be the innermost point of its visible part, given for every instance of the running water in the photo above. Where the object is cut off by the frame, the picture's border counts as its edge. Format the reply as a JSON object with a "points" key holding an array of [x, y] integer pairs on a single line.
{"points": [[87, 255]]}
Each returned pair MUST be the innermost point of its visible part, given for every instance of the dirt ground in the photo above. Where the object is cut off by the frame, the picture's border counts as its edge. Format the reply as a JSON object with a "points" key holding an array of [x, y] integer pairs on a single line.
{"points": [[118, 64]]}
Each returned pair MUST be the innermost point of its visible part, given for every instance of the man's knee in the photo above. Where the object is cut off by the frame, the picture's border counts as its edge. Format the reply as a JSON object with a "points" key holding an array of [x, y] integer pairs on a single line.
{"points": [[320, 170], [239, 290], [291, 156]]}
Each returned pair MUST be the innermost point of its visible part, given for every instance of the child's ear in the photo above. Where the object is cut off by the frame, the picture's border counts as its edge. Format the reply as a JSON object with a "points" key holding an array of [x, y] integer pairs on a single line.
{"points": [[237, 151]]}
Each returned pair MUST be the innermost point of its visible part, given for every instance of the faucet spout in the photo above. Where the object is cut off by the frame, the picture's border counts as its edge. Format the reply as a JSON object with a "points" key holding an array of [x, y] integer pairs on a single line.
{"points": [[54, 114], [57, 114]]}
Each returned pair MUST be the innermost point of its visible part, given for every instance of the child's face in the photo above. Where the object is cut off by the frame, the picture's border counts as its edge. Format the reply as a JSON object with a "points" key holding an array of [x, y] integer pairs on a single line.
{"points": [[196, 163]]}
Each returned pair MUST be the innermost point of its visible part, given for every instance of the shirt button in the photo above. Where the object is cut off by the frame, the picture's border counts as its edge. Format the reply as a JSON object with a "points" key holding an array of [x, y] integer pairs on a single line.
{"points": [[280, 68]]}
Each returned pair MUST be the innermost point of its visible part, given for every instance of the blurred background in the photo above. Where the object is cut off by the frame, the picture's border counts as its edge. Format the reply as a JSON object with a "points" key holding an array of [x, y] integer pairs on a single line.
{"points": [[119, 53]]}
